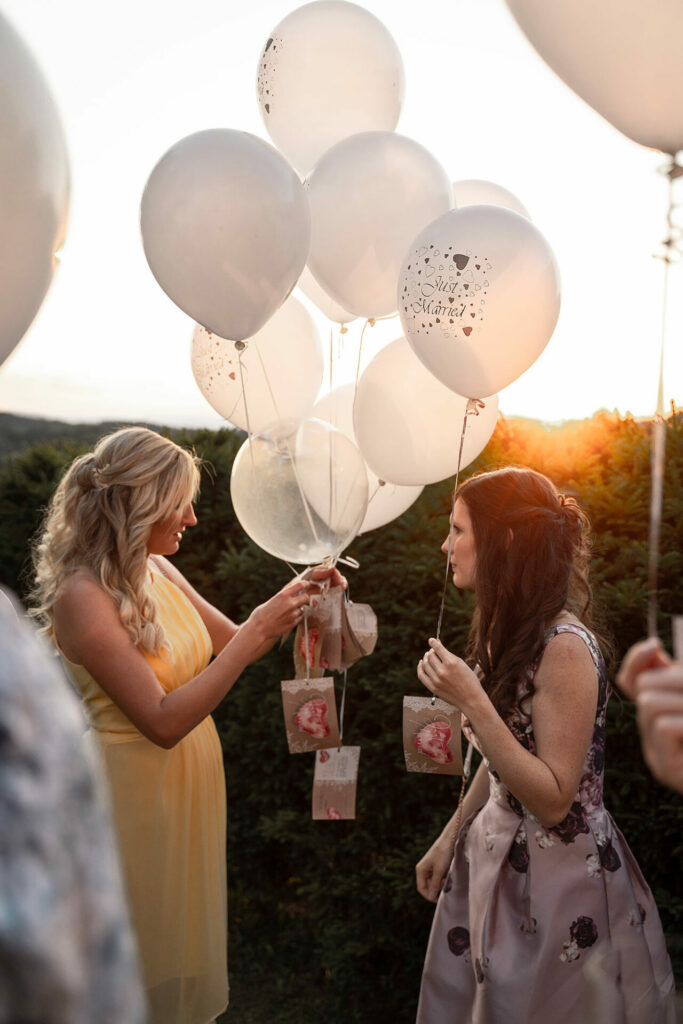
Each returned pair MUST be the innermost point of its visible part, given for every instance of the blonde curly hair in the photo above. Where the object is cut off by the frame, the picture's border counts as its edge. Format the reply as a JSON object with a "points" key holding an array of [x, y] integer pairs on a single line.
{"points": [[99, 521]]}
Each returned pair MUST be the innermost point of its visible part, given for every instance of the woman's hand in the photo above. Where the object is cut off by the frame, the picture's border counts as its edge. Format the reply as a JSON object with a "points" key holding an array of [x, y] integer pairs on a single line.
{"points": [[322, 572], [447, 676], [283, 612], [431, 871], [655, 683]]}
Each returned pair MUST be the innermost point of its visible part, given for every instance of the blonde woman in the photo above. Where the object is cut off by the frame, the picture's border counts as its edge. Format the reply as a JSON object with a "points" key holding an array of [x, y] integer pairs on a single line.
{"points": [[138, 641]]}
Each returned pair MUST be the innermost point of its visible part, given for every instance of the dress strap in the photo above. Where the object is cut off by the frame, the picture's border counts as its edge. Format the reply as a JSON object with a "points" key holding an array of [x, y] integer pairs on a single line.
{"points": [[578, 630]]}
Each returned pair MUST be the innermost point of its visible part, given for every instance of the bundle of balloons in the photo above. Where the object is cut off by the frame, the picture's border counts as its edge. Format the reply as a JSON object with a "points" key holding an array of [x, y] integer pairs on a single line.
{"points": [[367, 223]]}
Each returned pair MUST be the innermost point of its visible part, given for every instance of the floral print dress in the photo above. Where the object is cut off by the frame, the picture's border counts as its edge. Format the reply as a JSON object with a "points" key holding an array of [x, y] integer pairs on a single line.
{"points": [[524, 907]]}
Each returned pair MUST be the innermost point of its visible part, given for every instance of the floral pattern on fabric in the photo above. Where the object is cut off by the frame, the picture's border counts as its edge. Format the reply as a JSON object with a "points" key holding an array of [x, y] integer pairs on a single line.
{"points": [[560, 891], [582, 934]]}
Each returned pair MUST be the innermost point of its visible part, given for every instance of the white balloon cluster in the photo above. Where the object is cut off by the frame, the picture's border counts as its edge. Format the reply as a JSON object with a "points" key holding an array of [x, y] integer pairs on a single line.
{"points": [[370, 231]]}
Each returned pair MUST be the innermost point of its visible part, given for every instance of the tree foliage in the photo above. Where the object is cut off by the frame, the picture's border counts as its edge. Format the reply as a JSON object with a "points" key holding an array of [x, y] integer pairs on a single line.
{"points": [[324, 918]]}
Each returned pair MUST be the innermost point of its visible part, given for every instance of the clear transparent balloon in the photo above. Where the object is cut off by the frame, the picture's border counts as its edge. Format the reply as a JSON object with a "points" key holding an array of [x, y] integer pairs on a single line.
{"points": [[386, 501], [300, 490]]}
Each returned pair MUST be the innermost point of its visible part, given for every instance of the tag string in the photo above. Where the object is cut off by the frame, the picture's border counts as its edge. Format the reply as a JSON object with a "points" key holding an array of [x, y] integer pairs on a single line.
{"points": [[670, 253], [341, 710]]}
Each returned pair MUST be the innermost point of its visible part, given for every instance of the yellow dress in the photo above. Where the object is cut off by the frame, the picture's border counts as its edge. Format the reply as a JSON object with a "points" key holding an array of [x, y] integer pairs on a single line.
{"points": [[169, 809]]}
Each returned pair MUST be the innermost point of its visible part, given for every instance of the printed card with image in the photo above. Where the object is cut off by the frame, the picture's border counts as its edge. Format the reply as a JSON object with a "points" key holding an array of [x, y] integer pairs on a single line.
{"points": [[310, 712], [431, 736], [334, 783]]}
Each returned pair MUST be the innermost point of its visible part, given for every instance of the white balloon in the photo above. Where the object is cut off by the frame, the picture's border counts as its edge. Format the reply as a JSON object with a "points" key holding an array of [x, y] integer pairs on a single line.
{"points": [[369, 196], [282, 370], [312, 290], [408, 424], [330, 69], [300, 490], [226, 229], [474, 192], [479, 297], [622, 58], [386, 501], [34, 188]]}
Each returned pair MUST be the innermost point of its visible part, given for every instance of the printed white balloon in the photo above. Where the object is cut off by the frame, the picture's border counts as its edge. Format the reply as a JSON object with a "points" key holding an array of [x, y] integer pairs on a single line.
{"points": [[408, 424], [369, 196], [330, 69], [282, 369], [479, 297], [386, 501], [623, 59], [226, 229], [300, 490], [34, 188], [312, 290], [474, 192]]}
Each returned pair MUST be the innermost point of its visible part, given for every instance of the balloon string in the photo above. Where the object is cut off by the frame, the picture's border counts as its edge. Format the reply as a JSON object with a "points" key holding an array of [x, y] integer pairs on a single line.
{"points": [[471, 409], [341, 710], [329, 468], [268, 385], [240, 346], [670, 251], [307, 649]]}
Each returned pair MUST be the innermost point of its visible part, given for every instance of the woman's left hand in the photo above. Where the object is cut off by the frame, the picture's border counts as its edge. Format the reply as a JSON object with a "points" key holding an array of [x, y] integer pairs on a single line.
{"points": [[448, 677], [322, 572]]}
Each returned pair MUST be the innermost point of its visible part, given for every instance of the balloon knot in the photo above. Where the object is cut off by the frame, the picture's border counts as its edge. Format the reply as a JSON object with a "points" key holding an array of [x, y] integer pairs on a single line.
{"points": [[343, 329], [372, 321], [240, 345]]}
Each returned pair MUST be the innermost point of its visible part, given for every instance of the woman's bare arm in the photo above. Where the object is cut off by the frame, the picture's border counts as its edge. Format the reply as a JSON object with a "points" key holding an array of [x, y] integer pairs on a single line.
{"points": [[91, 634]]}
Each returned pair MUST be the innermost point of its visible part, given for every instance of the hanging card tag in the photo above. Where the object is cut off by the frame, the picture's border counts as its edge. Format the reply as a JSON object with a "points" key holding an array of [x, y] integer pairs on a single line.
{"points": [[431, 736], [331, 651], [310, 712], [310, 656], [334, 783], [359, 632], [677, 631]]}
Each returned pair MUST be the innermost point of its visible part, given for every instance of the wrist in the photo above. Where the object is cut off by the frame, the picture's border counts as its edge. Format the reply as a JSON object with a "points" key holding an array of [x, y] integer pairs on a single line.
{"points": [[477, 707]]}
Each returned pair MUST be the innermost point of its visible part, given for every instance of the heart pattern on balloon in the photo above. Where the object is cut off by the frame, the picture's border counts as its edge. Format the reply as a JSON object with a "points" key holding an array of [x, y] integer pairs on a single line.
{"points": [[446, 299]]}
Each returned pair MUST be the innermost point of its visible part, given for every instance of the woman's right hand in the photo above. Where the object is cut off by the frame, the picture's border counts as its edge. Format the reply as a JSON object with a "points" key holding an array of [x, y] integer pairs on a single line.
{"points": [[283, 611], [431, 871]]}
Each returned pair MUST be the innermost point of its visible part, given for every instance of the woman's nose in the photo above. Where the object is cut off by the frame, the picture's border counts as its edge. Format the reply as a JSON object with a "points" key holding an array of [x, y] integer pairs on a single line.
{"points": [[189, 518], [444, 546]]}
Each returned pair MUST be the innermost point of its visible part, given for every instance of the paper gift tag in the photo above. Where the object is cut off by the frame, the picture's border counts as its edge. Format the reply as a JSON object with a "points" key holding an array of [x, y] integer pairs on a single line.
{"points": [[331, 651], [677, 631], [310, 712], [431, 736], [324, 613], [334, 783], [359, 632]]}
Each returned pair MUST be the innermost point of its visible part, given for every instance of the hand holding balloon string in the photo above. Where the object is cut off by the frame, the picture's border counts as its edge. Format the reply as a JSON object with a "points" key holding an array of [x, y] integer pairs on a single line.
{"points": [[447, 676]]}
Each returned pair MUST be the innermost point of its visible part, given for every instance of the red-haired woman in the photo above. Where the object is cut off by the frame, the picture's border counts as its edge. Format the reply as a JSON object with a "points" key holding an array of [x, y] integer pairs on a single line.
{"points": [[539, 878]]}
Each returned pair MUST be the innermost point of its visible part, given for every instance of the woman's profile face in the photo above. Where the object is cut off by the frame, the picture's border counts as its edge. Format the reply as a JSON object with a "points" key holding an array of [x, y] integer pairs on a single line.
{"points": [[463, 551], [166, 535]]}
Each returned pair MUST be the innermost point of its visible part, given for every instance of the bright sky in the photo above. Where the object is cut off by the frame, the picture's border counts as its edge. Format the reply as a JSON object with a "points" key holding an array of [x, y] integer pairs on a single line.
{"points": [[134, 77]]}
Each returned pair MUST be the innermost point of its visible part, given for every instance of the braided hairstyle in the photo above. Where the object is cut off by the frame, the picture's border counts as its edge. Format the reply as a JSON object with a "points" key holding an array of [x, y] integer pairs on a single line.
{"points": [[532, 551]]}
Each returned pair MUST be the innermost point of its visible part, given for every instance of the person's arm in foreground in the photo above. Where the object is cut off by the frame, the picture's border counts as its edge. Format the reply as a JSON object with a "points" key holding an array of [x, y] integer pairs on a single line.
{"points": [[655, 682]]}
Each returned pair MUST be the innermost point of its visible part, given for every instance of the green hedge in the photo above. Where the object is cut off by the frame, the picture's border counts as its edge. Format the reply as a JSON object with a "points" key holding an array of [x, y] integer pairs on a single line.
{"points": [[324, 918]]}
